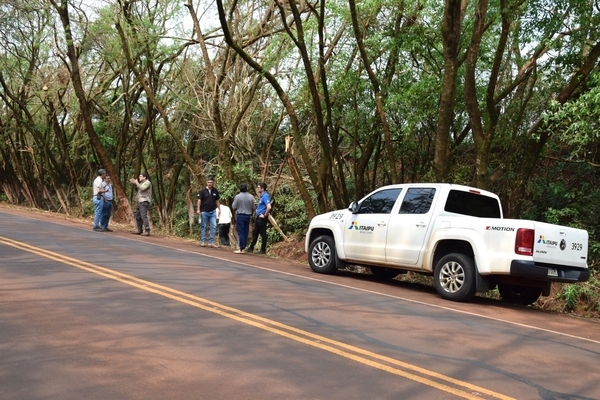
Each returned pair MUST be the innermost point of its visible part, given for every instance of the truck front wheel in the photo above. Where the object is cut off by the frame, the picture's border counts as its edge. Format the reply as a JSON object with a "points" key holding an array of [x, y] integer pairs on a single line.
{"points": [[525, 295], [454, 277], [322, 256]]}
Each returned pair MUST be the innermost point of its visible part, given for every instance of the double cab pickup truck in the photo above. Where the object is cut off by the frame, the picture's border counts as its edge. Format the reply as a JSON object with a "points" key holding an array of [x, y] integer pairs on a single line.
{"points": [[455, 233]]}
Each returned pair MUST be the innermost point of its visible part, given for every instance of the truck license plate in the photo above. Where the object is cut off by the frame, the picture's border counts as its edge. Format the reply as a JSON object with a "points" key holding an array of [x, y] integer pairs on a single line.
{"points": [[552, 272]]}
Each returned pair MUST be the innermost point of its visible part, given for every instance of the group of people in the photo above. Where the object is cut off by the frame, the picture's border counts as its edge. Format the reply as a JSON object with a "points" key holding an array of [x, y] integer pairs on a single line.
{"points": [[209, 210], [103, 197], [103, 202]]}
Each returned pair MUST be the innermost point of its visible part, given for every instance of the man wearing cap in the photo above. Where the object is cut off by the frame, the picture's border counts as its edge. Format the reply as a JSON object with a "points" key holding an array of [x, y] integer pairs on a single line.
{"points": [[143, 197], [98, 199], [262, 216]]}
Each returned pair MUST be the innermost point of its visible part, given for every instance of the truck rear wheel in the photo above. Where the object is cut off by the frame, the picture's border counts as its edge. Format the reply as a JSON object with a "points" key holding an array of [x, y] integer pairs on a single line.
{"points": [[524, 295], [322, 256], [454, 277]]}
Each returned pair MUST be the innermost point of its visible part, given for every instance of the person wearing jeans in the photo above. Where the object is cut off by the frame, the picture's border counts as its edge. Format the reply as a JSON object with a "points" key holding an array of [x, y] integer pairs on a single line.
{"points": [[208, 202], [262, 217], [243, 205], [98, 200], [208, 219], [107, 206]]}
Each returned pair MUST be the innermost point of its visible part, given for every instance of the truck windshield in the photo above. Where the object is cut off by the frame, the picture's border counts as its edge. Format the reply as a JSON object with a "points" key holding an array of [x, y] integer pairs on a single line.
{"points": [[475, 205], [380, 202]]}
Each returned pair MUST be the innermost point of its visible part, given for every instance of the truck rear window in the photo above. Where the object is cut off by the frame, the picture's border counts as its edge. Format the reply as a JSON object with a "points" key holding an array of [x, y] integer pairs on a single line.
{"points": [[475, 205]]}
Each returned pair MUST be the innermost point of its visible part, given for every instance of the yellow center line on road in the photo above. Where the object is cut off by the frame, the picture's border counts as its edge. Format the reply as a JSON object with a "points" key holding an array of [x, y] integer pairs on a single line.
{"points": [[409, 371]]}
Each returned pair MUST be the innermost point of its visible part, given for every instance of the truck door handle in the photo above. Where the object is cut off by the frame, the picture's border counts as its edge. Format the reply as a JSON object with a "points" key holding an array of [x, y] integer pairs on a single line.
{"points": [[421, 225], [381, 223]]}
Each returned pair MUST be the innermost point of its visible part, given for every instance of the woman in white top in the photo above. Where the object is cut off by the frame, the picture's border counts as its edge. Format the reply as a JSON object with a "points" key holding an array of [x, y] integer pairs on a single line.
{"points": [[224, 217]]}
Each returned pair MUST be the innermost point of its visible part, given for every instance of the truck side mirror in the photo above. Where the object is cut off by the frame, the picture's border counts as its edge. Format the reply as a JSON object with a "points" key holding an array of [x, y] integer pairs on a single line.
{"points": [[353, 207]]}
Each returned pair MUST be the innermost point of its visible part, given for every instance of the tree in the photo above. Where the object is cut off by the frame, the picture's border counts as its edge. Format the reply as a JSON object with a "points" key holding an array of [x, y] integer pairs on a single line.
{"points": [[72, 61]]}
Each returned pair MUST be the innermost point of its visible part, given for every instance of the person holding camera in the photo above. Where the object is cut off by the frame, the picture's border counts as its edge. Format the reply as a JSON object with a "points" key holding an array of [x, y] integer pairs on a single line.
{"points": [[143, 196]]}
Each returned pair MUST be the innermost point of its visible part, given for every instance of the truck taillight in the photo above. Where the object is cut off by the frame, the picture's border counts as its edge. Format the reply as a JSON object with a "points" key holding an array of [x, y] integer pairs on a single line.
{"points": [[524, 241]]}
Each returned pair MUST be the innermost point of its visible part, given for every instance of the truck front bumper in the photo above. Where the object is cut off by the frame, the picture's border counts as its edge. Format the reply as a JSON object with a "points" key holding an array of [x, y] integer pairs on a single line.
{"points": [[550, 273]]}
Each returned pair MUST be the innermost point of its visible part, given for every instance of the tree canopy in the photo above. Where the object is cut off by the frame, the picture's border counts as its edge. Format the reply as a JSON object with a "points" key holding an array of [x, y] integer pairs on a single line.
{"points": [[324, 100]]}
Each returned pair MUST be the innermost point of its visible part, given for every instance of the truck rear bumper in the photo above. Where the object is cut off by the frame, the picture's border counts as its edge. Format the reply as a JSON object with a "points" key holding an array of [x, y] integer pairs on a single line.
{"points": [[552, 273]]}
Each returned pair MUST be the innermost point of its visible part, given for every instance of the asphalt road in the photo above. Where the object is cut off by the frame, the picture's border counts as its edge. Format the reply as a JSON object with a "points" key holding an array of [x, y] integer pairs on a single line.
{"points": [[89, 315]]}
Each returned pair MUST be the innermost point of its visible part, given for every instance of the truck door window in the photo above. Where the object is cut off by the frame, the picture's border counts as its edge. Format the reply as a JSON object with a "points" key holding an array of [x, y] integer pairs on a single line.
{"points": [[381, 202], [417, 201]]}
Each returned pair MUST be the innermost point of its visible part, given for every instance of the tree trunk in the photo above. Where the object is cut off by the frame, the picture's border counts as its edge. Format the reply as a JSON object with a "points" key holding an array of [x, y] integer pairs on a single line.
{"points": [[451, 31], [531, 150], [379, 95], [292, 114], [73, 56]]}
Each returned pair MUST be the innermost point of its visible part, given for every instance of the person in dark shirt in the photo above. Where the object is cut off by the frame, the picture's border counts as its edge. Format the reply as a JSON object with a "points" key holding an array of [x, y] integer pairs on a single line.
{"points": [[208, 202]]}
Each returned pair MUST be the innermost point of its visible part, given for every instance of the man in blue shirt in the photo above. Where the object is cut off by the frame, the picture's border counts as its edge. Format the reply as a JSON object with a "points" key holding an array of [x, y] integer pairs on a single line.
{"points": [[262, 217]]}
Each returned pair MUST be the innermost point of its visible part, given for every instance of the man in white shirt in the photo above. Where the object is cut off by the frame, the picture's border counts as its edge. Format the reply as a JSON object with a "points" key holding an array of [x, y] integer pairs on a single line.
{"points": [[98, 199]]}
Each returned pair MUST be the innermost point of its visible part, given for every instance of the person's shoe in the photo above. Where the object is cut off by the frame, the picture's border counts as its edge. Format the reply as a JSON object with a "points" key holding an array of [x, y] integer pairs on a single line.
{"points": [[216, 246], [249, 251], [261, 252], [239, 252], [136, 232], [147, 233], [202, 244], [97, 229], [107, 230]]}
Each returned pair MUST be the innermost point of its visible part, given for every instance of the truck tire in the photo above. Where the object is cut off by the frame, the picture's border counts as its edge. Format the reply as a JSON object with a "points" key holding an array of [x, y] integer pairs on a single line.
{"points": [[524, 295], [384, 273], [322, 256], [454, 277]]}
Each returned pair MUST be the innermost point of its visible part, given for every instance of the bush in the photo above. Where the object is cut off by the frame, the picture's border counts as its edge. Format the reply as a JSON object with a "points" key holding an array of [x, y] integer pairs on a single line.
{"points": [[582, 298]]}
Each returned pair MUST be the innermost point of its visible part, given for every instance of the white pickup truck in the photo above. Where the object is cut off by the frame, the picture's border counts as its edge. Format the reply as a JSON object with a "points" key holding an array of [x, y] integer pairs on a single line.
{"points": [[455, 233]]}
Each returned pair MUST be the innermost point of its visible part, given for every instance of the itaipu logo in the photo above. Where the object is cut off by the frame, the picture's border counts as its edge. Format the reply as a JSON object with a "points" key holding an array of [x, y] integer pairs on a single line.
{"points": [[548, 242], [364, 228]]}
